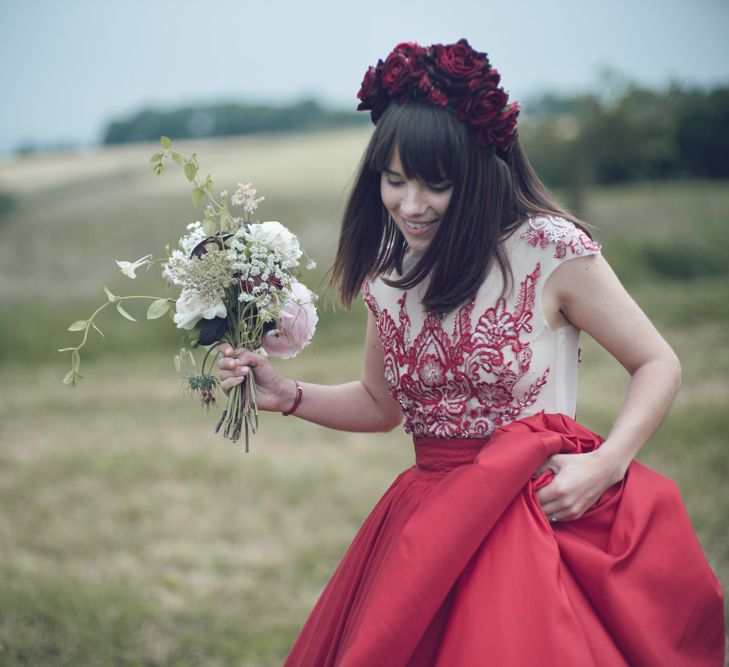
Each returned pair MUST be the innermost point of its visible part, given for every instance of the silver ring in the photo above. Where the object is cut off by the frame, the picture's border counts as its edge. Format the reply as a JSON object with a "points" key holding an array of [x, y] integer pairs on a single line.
{"points": [[553, 518]]}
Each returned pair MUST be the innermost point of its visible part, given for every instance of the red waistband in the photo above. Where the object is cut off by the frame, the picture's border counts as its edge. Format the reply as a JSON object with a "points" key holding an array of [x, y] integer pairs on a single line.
{"points": [[442, 454]]}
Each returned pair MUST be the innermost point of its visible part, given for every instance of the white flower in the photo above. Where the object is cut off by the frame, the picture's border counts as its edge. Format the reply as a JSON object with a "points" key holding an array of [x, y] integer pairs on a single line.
{"points": [[245, 196], [311, 264], [195, 237], [190, 309], [279, 240], [129, 268]]}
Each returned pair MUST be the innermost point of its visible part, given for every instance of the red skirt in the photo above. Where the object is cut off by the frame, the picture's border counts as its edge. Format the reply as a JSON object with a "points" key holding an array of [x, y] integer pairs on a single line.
{"points": [[457, 566]]}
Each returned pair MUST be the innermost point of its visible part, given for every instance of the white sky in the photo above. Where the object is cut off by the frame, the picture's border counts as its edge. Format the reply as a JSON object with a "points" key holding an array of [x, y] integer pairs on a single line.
{"points": [[67, 67]]}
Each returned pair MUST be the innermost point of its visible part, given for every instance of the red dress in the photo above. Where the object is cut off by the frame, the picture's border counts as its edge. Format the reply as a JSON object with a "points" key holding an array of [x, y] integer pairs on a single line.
{"points": [[457, 565]]}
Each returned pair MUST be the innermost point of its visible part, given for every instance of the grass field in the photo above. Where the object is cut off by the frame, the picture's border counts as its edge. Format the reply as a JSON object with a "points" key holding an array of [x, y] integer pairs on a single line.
{"points": [[131, 535]]}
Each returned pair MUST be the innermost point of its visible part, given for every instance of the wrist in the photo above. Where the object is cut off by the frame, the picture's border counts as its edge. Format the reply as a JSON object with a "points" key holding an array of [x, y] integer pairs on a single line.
{"points": [[293, 398], [613, 464]]}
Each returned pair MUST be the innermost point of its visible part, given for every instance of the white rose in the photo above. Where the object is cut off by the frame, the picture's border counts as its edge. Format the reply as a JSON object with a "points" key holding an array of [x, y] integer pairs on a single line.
{"points": [[190, 309], [279, 240]]}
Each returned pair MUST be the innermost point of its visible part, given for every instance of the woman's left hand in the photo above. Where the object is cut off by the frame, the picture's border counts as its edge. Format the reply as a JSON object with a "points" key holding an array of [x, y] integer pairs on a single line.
{"points": [[579, 481]]}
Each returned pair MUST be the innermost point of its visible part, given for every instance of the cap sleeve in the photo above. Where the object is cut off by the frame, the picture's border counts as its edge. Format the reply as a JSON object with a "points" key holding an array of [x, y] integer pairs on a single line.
{"points": [[557, 240]]}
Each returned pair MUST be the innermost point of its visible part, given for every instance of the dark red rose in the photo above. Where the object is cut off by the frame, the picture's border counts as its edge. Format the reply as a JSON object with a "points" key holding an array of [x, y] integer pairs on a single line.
{"points": [[410, 50], [372, 94], [396, 73], [369, 85], [437, 97], [502, 130], [481, 107], [459, 61], [425, 84], [403, 68], [493, 76], [371, 90], [490, 79]]}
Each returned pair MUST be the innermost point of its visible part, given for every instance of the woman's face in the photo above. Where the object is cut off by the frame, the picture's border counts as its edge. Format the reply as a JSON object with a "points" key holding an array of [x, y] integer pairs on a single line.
{"points": [[416, 207]]}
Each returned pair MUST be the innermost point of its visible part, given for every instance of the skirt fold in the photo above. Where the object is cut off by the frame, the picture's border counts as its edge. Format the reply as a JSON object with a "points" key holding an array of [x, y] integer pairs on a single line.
{"points": [[457, 565]]}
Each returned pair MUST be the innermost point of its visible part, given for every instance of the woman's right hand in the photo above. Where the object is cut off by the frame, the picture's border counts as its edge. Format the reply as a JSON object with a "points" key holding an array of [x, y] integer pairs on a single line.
{"points": [[273, 392]]}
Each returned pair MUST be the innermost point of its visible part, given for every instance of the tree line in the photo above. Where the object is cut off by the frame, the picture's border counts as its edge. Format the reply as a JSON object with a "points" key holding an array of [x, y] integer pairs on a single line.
{"points": [[228, 119], [633, 134], [638, 134]]}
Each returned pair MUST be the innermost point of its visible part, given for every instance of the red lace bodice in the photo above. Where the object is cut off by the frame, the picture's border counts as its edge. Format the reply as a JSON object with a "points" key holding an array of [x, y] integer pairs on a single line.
{"points": [[495, 359]]}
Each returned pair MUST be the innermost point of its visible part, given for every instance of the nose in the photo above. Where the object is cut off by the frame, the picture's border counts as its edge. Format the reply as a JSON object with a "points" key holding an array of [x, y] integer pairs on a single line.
{"points": [[413, 202]]}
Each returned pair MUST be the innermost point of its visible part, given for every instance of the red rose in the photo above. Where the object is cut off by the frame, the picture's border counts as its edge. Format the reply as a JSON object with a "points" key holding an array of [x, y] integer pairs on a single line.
{"points": [[405, 63], [481, 107], [410, 49], [372, 94], [425, 84], [501, 131], [396, 73], [459, 61], [490, 79], [437, 97], [493, 76], [370, 89]]}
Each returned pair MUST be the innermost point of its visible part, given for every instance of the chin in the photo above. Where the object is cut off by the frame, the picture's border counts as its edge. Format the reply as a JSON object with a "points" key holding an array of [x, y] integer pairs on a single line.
{"points": [[418, 246]]}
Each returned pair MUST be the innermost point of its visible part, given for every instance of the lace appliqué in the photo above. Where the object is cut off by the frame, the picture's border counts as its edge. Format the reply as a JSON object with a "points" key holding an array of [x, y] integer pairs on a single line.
{"points": [[563, 234], [463, 384]]}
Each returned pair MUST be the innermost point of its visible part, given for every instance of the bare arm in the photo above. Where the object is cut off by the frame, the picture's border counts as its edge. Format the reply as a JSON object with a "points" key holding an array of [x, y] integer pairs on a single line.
{"points": [[589, 295], [365, 405]]}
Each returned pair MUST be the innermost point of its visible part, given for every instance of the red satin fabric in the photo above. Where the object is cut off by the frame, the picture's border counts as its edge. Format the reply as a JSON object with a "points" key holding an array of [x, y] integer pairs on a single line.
{"points": [[457, 566]]}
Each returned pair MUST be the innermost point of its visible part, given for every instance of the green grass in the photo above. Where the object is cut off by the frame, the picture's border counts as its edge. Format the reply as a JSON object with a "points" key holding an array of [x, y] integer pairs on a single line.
{"points": [[132, 535]]}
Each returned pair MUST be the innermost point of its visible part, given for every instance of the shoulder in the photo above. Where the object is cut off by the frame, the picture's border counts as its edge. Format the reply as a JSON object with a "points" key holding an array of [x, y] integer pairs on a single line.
{"points": [[381, 296], [555, 238]]}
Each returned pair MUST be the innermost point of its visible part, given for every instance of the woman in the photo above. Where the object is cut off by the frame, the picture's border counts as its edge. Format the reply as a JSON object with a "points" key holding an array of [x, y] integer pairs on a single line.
{"points": [[519, 537]]}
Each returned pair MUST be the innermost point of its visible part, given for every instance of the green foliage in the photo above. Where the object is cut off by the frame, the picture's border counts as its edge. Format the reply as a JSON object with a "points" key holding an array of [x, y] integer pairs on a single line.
{"points": [[229, 119], [636, 134], [688, 261]]}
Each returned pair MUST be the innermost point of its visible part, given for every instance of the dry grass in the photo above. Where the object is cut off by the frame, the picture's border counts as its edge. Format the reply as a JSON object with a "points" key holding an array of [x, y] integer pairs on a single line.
{"points": [[130, 533]]}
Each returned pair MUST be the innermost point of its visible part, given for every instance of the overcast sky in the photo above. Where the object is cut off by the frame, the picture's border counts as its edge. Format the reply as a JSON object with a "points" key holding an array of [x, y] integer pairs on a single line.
{"points": [[67, 67]]}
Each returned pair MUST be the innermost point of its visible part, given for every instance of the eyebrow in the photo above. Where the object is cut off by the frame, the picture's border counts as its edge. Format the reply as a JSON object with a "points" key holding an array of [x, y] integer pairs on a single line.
{"points": [[392, 173]]}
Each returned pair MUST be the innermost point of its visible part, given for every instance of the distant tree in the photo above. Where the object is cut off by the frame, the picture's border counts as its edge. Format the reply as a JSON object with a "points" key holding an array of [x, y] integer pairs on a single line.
{"points": [[703, 132], [227, 119], [632, 133]]}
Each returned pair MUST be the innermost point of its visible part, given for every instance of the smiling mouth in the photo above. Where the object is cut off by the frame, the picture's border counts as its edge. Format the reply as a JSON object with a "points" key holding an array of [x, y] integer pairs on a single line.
{"points": [[418, 226]]}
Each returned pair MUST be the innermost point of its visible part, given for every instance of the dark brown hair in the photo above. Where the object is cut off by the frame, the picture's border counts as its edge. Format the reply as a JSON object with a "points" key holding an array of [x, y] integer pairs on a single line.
{"points": [[492, 194]]}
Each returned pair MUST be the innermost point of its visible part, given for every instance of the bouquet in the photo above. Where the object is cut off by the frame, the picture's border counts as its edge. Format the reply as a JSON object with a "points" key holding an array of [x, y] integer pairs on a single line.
{"points": [[237, 282]]}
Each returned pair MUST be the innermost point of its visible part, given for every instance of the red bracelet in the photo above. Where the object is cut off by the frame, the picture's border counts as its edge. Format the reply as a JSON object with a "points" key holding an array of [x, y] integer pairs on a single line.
{"points": [[297, 400]]}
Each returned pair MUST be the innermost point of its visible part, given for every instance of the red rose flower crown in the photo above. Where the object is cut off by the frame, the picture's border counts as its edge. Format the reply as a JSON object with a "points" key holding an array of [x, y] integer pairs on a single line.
{"points": [[454, 76]]}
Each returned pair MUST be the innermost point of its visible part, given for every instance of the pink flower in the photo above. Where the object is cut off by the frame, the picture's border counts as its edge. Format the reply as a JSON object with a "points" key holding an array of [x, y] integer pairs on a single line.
{"points": [[296, 327]]}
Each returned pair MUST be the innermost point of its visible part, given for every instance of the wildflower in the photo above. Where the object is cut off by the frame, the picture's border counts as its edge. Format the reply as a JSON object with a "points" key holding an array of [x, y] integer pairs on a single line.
{"points": [[279, 240], [204, 385], [190, 309], [245, 196], [129, 268]]}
